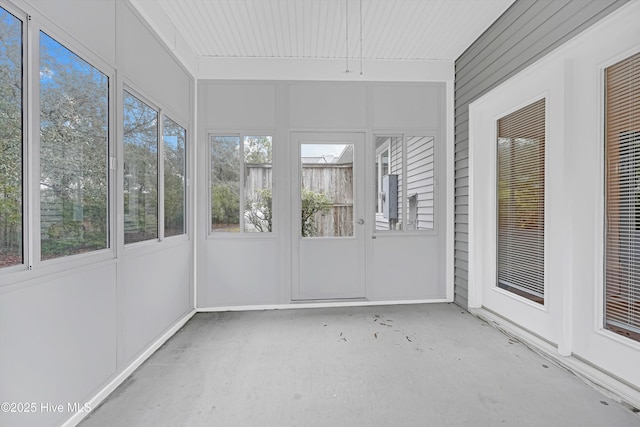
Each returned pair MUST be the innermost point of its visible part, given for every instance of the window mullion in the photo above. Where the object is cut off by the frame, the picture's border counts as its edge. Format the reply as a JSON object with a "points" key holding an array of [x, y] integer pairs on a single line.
{"points": [[33, 150], [241, 190], [28, 152], [160, 168], [405, 184]]}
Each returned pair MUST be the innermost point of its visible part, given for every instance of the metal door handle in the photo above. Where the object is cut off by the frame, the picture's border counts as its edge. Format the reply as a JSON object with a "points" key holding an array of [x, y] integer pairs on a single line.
{"points": [[360, 221]]}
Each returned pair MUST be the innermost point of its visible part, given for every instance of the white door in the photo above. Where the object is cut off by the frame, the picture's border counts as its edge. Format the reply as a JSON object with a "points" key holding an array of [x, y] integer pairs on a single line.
{"points": [[328, 216], [517, 263]]}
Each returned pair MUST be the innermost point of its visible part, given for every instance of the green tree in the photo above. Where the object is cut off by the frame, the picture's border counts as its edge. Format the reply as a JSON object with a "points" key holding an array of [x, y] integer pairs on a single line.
{"points": [[258, 149], [224, 205], [258, 210], [73, 152], [225, 180], [10, 140], [174, 178], [140, 170], [313, 203]]}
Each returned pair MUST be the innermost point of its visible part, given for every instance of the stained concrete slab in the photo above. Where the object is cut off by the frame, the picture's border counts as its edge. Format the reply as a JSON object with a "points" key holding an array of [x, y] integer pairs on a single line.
{"points": [[406, 365]]}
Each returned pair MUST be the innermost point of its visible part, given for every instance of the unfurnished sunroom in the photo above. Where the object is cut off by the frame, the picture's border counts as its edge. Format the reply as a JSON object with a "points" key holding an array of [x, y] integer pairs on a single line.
{"points": [[164, 158]]}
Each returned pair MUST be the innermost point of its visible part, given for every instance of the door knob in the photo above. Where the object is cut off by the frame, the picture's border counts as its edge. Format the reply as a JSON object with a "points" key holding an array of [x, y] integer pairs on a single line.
{"points": [[360, 221]]}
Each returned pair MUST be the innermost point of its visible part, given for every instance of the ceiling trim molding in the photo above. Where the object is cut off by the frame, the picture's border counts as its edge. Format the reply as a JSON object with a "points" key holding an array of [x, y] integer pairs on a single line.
{"points": [[164, 28], [324, 70]]}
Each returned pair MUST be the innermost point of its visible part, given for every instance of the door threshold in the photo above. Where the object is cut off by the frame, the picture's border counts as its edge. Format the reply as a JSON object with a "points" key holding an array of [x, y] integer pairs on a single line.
{"points": [[298, 304], [328, 300]]}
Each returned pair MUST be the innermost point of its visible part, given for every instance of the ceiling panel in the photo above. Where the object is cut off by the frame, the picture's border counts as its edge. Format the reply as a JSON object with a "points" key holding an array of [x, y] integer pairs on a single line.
{"points": [[391, 29]]}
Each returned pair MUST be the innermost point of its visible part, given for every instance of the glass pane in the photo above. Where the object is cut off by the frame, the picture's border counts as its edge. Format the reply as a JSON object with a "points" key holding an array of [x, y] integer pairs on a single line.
{"points": [[10, 140], [225, 184], [384, 164], [257, 183], [622, 179], [140, 170], [420, 183], [327, 190], [74, 116], [174, 139], [520, 197], [389, 184]]}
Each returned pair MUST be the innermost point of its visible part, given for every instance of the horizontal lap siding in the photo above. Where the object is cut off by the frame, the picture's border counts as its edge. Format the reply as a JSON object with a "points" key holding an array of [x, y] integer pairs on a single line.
{"points": [[526, 32], [395, 168], [420, 179]]}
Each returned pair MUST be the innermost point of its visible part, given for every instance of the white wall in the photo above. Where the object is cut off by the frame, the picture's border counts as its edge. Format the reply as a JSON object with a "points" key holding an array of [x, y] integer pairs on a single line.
{"points": [[237, 270], [572, 80], [70, 326]]}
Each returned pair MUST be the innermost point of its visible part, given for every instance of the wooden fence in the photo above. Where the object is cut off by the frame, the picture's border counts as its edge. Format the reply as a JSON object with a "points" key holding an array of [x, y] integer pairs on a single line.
{"points": [[334, 181]]}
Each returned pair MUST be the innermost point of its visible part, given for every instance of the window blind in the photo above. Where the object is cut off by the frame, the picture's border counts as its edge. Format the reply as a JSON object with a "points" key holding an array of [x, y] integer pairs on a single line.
{"points": [[622, 228], [520, 170]]}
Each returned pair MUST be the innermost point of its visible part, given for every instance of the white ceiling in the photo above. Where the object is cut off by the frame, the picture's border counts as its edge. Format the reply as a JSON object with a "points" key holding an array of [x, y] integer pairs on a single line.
{"points": [[395, 30]]}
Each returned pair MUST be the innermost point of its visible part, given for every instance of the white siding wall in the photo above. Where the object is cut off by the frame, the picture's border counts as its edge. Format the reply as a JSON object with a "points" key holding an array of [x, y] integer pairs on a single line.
{"points": [[420, 179]]}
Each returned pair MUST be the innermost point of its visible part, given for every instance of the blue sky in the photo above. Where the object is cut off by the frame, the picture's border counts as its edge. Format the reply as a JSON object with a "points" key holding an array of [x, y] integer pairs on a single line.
{"points": [[319, 150]]}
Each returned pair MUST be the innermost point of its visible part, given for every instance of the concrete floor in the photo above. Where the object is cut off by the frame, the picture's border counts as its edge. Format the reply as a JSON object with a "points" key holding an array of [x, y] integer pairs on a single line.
{"points": [[413, 365]]}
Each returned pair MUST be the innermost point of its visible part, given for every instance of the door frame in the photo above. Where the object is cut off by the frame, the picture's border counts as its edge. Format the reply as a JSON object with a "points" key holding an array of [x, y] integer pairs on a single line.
{"points": [[549, 320], [360, 203]]}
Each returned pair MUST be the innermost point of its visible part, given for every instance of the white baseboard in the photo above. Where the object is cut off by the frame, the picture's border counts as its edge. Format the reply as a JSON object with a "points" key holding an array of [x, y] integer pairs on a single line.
{"points": [[317, 304], [612, 387], [119, 379]]}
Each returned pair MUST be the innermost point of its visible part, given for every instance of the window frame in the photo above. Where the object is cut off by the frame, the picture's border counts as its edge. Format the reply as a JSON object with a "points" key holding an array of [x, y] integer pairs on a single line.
{"points": [[167, 115], [162, 112], [242, 234], [33, 267], [600, 326], [26, 222], [545, 198], [159, 167], [405, 134], [96, 62], [92, 60], [379, 156]]}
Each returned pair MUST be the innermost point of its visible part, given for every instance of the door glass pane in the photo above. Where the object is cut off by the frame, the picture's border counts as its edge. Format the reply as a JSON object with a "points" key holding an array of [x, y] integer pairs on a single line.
{"points": [[622, 179], [326, 190], [10, 140], [520, 196]]}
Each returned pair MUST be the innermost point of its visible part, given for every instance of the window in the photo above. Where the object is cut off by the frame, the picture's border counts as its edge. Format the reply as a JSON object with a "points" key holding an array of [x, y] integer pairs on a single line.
{"points": [[622, 188], [241, 181], [74, 117], [140, 170], [405, 186], [174, 138], [521, 190], [11, 137]]}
